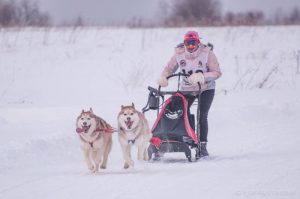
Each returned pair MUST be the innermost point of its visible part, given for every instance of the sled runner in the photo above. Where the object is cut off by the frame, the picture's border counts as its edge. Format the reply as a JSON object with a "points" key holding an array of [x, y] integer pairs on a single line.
{"points": [[174, 130]]}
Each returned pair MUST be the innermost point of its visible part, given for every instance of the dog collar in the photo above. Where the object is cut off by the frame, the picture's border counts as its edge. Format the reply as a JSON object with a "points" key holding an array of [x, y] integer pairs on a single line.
{"points": [[131, 142], [92, 140]]}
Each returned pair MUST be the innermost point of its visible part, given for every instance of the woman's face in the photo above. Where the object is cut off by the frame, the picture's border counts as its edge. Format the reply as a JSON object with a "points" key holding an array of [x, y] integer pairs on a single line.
{"points": [[191, 45]]}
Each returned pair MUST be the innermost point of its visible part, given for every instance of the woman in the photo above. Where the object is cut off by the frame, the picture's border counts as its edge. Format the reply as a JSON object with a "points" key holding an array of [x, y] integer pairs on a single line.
{"points": [[199, 61]]}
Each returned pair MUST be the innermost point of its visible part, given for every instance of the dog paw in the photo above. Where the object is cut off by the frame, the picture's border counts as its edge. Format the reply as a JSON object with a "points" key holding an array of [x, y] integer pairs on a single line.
{"points": [[146, 158], [95, 170], [91, 168], [126, 165], [129, 163]]}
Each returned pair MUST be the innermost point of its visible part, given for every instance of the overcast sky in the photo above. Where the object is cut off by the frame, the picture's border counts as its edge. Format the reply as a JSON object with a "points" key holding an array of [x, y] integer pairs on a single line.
{"points": [[117, 11]]}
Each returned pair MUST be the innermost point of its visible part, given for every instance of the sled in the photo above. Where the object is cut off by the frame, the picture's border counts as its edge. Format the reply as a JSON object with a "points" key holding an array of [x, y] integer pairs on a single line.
{"points": [[174, 130]]}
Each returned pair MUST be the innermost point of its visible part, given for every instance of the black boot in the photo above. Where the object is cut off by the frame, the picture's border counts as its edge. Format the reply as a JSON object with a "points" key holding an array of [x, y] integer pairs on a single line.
{"points": [[157, 156], [203, 150]]}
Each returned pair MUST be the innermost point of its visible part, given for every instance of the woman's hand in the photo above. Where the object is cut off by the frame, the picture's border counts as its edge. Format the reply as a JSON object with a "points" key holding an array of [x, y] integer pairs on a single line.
{"points": [[162, 81], [196, 77]]}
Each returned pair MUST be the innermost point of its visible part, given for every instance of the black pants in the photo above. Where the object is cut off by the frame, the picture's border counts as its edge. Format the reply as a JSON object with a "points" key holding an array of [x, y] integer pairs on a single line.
{"points": [[206, 100]]}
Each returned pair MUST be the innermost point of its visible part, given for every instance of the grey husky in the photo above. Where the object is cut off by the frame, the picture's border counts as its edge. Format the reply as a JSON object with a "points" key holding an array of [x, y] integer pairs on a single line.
{"points": [[133, 130], [95, 139]]}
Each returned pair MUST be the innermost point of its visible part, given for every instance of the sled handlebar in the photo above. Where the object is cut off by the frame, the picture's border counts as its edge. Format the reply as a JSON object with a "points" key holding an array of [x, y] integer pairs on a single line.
{"points": [[161, 93], [178, 74], [155, 94]]}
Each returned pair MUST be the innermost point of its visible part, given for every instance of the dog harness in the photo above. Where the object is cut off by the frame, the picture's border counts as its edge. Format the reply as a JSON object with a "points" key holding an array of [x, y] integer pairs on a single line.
{"points": [[130, 142], [93, 140], [106, 130], [97, 132]]}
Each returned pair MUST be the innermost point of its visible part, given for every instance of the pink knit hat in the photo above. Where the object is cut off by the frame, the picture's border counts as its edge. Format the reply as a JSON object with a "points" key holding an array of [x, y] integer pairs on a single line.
{"points": [[191, 35]]}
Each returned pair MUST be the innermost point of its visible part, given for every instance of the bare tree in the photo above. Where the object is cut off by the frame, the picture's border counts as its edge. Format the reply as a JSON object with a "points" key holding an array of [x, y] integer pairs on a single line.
{"points": [[135, 22], [208, 13], [22, 13], [254, 18], [30, 15], [193, 12], [247, 18], [291, 18], [7, 13], [229, 18], [294, 17], [78, 22]]}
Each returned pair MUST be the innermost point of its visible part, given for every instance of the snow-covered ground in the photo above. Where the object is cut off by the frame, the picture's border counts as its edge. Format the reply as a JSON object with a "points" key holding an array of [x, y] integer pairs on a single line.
{"points": [[47, 76]]}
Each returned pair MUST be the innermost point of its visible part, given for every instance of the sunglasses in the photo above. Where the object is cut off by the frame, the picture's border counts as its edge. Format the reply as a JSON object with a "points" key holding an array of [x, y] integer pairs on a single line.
{"points": [[191, 42]]}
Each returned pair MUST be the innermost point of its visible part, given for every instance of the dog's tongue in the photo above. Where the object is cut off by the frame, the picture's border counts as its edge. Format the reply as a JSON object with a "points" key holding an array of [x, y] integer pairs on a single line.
{"points": [[79, 130], [128, 123], [83, 129]]}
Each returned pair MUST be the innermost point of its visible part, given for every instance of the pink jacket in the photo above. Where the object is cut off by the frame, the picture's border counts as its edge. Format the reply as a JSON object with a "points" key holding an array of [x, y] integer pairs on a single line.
{"points": [[203, 58]]}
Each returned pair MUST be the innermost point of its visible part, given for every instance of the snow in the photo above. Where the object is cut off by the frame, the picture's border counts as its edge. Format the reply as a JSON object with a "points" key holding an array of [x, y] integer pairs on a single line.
{"points": [[47, 76]]}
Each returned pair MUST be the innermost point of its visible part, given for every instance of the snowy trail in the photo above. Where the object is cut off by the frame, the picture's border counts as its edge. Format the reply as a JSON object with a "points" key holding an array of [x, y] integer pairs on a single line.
{"points": [[250, 159]]}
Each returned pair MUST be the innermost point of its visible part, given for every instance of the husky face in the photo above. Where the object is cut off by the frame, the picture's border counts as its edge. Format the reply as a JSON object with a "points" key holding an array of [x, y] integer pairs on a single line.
{"points": [[85, 121], [128, 117]]}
